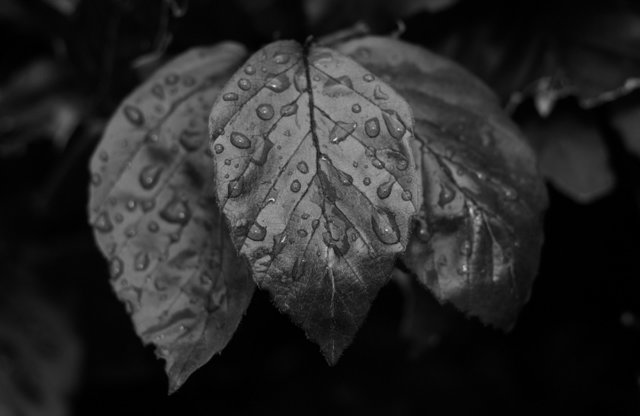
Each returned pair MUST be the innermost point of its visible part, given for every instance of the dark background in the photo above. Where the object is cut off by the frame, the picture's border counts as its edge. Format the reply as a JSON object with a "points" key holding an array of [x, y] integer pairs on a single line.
{"points": [[65, 340]]}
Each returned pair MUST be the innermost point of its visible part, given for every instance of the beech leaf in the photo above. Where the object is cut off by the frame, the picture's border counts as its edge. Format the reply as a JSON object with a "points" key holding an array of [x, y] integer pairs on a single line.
{"points": [[316, 177], [479, 232], [153, 210]]}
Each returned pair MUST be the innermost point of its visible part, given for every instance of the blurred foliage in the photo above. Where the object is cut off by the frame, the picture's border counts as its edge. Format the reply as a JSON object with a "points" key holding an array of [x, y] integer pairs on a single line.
{"points": [[566, 70]]}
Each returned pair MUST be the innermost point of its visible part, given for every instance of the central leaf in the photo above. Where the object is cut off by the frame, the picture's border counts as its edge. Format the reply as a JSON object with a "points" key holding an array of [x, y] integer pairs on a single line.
{"points": [[316, 178]]}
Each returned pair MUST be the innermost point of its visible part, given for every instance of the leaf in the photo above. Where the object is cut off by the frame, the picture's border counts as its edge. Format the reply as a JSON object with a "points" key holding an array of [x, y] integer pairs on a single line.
{"points": [[154, 213], [572, 154], [478, 237], [315, 175]]}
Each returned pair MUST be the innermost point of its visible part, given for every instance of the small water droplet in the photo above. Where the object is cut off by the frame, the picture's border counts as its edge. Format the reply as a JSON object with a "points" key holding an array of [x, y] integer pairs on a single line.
{"points": [[103, 223], [265, 111], [171, 79], [289, 110], [176, 211], [131, 204], [281, 58], [257, 232], [394, 125], [249, 70], [227, 162], [295, 186], [118, 218], [340, 131], [158, 91], [104, 156], [302, 233], [240, 141], [153, 226], [372, 127], [366, 181], [188, 81], [148, 205], [235, 188], [356, 108], [510, 193], [384, 226], [218, 148], [384, 190], [315, 224], [116, 267], [149, 176], [378, 94], [463, 269], [402, 164], [305, 216], [279, 83], [377, 163], [230, 96], [406, 195], [96, 179], [345, 178], [244, 84], [446, 195], [368, 77], [134, 115], [141, 261], [303, 167]]}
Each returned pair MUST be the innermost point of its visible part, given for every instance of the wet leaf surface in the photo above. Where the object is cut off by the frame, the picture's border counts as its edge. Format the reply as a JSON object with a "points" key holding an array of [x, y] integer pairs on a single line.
{"points": [[316, 177], [478, 235], [155, 218]]}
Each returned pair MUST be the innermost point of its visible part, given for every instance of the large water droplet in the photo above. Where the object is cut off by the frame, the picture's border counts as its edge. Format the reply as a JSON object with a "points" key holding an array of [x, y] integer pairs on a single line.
{"points": [[378, 94], [340, 131], [295, 186], [265, 111], [141, 261], [235, 188], [384, 190], [394, 125], [191, 140], [240, 141], [176, 211], [134, 115], [230, 96], [149, 176], [257, 232], [384, 226], [372, 127], [103, 223], [303, 167], [289, 110], [218, 148], [244, 84], [279, 83]]}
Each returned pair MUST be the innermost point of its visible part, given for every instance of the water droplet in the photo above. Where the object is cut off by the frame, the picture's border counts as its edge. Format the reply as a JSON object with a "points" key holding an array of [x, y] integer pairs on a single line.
{"points": [[510, 193], [257, 232], [289, 110], [218, 148], [191, 140], [295, 186], [368, 77], [244, 84], [402, 164], [302, 233], [372, 127], [340, 131], [446, 195], [103, 223], [305, 216], [377, 163], [394, 125], [158, 91], [378, 94], [356, 108], [240, 141], [149, 176], [281, 58], [104, 156], [141, 261], [132, 204], [148, 205], [171, 79], [176, 212], [384, 190], [153, 226], [234, 189], [249, 70], [227, 162], [463, 269], [96, 179], [366, 181], [345, 178], [279, 83], [116, 267], [230, 96], [315, 224], [384, 226], [303, 167], [265, 111], [406, 195], [118, 218]]}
